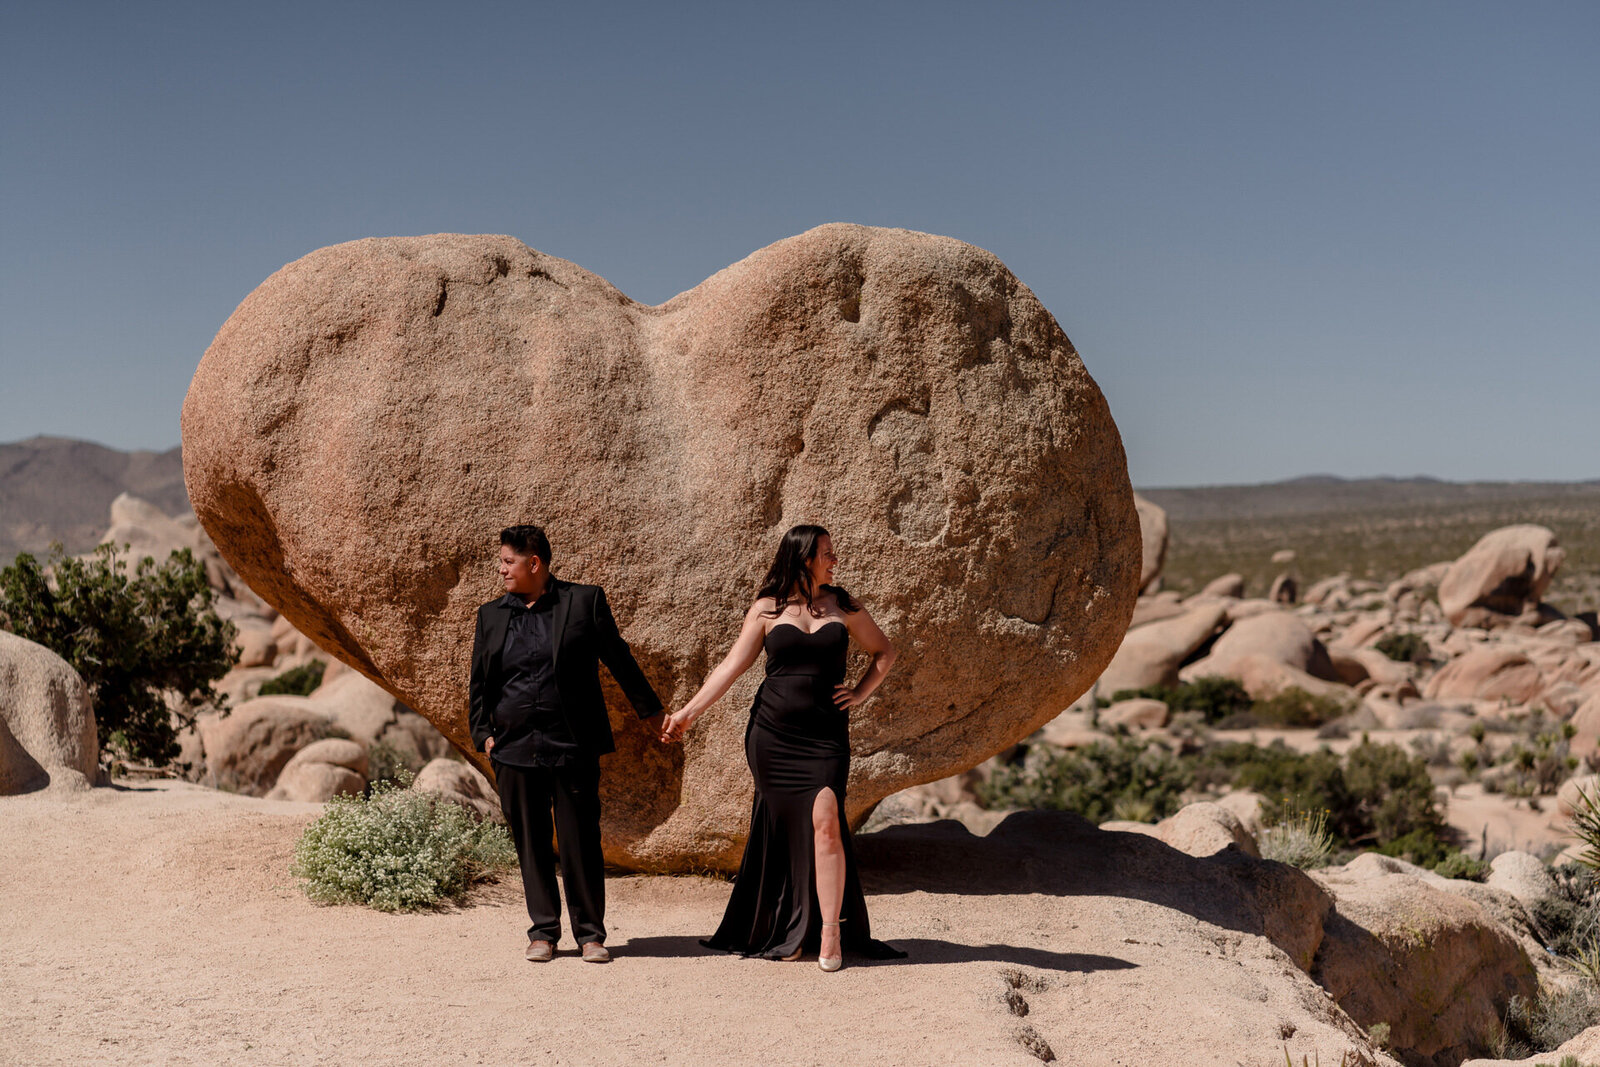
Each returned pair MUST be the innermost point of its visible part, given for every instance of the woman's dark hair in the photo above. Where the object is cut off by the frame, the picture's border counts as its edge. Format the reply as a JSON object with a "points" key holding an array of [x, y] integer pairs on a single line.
{"points": [[790, 578], [527, 540]]}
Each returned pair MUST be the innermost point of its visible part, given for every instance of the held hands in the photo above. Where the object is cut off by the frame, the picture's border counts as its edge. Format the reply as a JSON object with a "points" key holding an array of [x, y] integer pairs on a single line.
{"points": [[676, 725]]}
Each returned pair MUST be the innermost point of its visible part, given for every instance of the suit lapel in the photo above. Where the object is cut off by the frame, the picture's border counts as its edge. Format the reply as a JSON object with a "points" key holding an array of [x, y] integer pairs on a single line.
{"points": [[558, 619]]}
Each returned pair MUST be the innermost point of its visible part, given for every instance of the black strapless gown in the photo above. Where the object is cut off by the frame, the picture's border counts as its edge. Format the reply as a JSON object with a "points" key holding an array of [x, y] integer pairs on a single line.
{"points": [[797, 743]]}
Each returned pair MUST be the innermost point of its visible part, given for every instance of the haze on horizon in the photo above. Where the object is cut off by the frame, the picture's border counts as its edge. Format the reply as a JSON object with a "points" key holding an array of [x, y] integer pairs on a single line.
{"points": [[1359, 239]]}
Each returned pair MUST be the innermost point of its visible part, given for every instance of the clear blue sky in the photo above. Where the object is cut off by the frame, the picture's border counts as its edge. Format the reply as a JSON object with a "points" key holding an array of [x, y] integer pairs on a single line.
{"points": [[1357, 238]]}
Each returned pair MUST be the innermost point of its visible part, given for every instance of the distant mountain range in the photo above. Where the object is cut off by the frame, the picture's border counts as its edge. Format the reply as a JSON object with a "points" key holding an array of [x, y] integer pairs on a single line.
{"points": [[1325, 493], [58, 489]]}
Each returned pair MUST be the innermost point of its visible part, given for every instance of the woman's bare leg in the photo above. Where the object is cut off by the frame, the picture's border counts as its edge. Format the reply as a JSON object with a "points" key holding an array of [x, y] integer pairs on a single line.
{"points": [[829, 867]]}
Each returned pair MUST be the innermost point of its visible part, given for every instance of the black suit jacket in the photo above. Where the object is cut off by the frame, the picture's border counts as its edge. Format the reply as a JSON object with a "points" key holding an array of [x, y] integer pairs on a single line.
{"points": [[584, 635]]}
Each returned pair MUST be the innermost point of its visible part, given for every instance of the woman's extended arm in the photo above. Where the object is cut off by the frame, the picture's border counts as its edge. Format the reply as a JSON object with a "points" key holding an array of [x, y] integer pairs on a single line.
{"points": [[746, 647], [872, 641]]}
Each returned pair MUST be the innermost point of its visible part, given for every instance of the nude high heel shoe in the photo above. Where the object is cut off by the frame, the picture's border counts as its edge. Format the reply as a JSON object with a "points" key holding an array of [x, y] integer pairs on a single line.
{"points": [[830, 963]]}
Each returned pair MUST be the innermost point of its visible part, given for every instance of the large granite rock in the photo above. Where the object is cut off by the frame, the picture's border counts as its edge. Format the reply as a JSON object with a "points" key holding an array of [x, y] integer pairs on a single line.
{"points": [[1501, 576], [246, 749], [373, 414], [1402, 948], [1150, 655], [47, 725], [1153, 532]]}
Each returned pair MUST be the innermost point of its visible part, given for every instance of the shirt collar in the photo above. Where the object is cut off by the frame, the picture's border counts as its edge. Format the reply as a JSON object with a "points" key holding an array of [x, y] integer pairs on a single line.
{"points": [[516, 603]]}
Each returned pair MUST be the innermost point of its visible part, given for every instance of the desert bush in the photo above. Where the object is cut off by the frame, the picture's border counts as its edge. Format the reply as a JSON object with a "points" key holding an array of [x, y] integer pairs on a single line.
{"points": [[1547, 1021], [387, 762], [397, 850], [1215, 697], [299, 681], [1298, 838], [1296, 707], [1405, 648], [1099, 782], [1392, 803], [1458, 864], [149, 645]]}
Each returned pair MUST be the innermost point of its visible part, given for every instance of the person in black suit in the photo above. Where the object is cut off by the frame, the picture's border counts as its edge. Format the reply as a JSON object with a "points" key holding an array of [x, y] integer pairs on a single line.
{"points": [[538, 713]]}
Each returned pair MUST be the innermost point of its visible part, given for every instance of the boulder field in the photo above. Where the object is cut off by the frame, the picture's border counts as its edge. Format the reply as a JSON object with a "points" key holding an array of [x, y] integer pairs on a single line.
{"points": [[370, 417]]}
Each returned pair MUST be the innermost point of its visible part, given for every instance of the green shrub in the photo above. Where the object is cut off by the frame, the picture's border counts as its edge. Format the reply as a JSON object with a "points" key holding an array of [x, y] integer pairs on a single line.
{"points": [[397, 850], [1298, 838], [149, 645], [1392, 803], [1405, 648], [1296, 707], [1547, 1021], [387, 762], [1303, 781], [1099, 782], [299, 681], [1215, 697], [1458, 864]]}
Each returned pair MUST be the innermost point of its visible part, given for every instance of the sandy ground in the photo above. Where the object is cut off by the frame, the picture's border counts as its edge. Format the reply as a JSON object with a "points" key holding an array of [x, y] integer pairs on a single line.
{"points": [[156, 923]]}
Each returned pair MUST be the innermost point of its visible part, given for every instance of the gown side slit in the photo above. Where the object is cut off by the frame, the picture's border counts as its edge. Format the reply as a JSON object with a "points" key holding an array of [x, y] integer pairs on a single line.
{"points": [[797, 743]]}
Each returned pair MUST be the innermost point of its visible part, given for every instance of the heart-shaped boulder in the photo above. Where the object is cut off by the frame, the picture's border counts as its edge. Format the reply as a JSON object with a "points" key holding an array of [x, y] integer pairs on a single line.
{"points": [[373, 414]]}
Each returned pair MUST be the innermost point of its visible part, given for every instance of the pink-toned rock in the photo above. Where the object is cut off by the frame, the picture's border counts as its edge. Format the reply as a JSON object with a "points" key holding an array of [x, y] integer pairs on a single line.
{"points": [[1246, 807], [1494, 672], [1432, 964], [1204, 829], [1140, 713], [247, 749], [461, 784], [148, 531], [1567, 797], [1155, 608], [1365, 631], [1586, 721], [1274, 635], [1583, 1049], [47, 724], [906, 390], [1152, 654], [1153, 534], [1264, 677], [1327, 591], [1227, 585], [1285, 589], [316, 783], [1502, 575], [255, 646]]}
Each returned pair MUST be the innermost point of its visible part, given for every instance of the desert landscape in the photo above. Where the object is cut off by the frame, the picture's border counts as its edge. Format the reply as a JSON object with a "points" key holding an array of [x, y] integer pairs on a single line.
{"points": [[157, 916], [438, 446]]}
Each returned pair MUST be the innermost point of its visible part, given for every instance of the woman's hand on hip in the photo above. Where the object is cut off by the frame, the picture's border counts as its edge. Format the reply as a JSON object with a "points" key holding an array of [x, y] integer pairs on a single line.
{"points": [[846, 696]]}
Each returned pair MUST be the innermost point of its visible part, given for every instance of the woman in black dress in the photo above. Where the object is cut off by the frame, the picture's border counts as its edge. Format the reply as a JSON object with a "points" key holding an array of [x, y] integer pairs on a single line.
{"points": [[797, 889]]}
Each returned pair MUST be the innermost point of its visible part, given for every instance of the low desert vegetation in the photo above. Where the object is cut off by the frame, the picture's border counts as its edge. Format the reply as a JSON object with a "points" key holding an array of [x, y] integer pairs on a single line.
{"points": [[397, 849], [148, 644], [1375, 797], [1214, 698], [1405, 648], [299, 681]]}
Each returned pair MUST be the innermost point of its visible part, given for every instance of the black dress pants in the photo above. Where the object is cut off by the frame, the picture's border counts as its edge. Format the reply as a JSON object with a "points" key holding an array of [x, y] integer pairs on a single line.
{"points": [[527, 797]]}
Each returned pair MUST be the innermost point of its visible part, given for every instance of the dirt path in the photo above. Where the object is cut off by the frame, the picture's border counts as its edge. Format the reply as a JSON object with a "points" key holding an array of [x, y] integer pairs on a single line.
{"points": [[158, 925]]}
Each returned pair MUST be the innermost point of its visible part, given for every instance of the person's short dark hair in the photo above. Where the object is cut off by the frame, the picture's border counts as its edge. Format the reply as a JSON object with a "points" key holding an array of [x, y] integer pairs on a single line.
{"points": [[527, 540]]}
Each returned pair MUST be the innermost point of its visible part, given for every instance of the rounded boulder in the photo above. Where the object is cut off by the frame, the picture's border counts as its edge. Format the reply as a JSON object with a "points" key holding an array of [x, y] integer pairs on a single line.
{"points": [[410, 397]]}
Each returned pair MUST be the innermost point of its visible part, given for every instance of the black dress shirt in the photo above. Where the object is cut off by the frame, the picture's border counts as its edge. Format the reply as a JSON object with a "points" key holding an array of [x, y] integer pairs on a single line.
{"points": [[532, 729]]}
